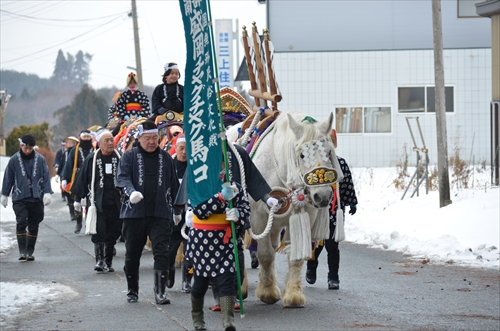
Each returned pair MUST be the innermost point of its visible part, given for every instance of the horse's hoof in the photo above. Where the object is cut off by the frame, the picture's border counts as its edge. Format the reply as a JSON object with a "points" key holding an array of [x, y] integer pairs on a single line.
{"points": [[269, 301], [293, 306], [294, 301]]}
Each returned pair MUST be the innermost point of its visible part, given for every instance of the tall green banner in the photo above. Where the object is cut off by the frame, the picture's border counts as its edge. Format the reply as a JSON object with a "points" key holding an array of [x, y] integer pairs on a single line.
{"points": [[201, 121]]}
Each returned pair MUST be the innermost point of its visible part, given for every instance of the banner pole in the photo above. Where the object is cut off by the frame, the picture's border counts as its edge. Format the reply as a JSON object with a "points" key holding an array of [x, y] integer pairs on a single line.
{"points": [[224, 152]]}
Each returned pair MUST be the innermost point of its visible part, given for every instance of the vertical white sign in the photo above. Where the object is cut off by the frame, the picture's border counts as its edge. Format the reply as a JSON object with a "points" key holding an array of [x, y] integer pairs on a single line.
{"points": [[224, 52]]}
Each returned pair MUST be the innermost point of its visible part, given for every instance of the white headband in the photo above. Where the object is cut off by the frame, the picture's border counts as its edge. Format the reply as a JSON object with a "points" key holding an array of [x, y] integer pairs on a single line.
{"points": [[21, 142], [181, 140], [84, 134], [141, 131], [99, 134], [173, 66]]}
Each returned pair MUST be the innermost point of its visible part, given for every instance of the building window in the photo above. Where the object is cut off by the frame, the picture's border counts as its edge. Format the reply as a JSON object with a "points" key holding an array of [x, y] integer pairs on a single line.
{"points": [[377, 119], [422, 99], [363, 119]]}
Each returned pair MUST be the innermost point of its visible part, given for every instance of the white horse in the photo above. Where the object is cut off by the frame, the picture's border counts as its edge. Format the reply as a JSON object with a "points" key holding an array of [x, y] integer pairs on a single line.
{"points": [[297, 155]]}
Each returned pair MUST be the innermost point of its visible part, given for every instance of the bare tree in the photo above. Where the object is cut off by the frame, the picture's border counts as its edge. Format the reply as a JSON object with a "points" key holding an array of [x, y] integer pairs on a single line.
{"points": [[444, 180]]}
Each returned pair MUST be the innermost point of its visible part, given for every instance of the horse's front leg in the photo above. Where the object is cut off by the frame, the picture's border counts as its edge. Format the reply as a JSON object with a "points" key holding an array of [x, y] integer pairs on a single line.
{"points": [[267, 289], [293, 297]]}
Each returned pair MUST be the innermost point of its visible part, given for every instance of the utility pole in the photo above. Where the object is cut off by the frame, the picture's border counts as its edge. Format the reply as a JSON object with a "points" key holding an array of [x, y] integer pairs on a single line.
{"points": [[4, 100], [138, 64], [442, 142]]}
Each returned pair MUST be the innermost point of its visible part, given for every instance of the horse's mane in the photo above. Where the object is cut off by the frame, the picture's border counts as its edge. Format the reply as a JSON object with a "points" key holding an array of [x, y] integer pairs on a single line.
{"points": [[310, 131]]}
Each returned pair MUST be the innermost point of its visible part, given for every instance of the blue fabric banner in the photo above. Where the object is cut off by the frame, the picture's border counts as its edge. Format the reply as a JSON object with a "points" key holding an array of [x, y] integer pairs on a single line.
{"points": [[201, 117]]}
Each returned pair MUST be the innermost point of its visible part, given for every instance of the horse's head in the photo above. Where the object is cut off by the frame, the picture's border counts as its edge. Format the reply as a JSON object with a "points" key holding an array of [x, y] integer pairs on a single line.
{"points": [[311, 158]]}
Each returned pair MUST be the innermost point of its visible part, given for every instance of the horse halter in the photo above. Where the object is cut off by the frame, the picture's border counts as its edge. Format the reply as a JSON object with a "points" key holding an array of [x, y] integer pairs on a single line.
{"points": [[311, 173]]}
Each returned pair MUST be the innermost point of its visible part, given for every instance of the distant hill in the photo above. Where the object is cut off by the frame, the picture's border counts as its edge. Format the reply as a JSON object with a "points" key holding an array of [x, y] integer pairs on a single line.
{"points": [[34, 99], [15, 82]]}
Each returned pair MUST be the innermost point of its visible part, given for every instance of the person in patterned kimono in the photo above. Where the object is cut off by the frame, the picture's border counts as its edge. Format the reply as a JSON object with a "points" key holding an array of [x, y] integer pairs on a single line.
{"points": [[74, 162], [210, 247], [347, 198], [131, 102]]}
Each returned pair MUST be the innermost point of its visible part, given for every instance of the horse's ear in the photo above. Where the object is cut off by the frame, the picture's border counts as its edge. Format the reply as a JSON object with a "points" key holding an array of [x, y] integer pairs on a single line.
{"points": [[326, 126], [294, 126]]}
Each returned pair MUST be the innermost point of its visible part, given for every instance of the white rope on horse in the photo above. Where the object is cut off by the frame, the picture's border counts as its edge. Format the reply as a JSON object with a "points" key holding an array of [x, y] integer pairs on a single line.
{"points": [[240, 164], [183, 232], [266, 230], [243, 141], [270, 219]]}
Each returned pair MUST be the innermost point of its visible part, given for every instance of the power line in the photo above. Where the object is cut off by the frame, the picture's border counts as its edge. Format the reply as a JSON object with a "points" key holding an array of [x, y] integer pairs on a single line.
{"points": [[33, 8], [80, 41], [60, 19], [71, 39]]}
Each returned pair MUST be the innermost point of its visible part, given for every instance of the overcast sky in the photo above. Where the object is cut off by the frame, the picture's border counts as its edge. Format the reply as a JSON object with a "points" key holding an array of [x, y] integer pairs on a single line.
{"points": [[32, 32]]}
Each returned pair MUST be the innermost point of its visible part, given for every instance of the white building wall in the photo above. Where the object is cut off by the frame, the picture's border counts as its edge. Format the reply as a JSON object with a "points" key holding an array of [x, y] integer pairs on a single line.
{"points": [[316, 83]]}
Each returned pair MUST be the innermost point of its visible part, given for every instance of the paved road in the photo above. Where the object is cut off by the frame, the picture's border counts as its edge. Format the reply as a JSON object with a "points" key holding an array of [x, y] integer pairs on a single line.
{"points": [[379, 291]]}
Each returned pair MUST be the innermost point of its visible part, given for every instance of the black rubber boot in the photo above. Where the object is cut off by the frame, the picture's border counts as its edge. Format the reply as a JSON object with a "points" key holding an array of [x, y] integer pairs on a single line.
{"points": [[132, 285], [227, 313], [197, 313], [171, 277], [99, 257], [30, 246], [72, 212], [333, 282], [186, 278], [78, 227], [108, 257], [312, 265], [21, 242], [161, 295]]}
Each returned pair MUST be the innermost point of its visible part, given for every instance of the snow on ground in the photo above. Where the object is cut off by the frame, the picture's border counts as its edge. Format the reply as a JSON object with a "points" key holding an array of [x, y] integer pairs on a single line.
{"points": [[464, 233], [22, 298]]}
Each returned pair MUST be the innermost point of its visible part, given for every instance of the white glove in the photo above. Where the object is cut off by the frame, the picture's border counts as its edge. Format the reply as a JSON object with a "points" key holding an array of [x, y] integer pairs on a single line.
{"points": [[232, 214], [84, 202], [177, 219], [57, 179], [47, 199], [135, 197], [189, 217], [78, 206], [64, 183], [3, 200], [274, 204]]}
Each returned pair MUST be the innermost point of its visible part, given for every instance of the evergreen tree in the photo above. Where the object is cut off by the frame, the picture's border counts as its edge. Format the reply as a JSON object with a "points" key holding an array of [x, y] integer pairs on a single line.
{"points": [[41, 133], [81, 69], [25, 95], [87, 109], [70, 63], [61, 75]]}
